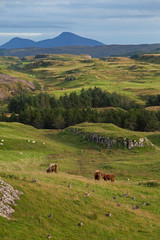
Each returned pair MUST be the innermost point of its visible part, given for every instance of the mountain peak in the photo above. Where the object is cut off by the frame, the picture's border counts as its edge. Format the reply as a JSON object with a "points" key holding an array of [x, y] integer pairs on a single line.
{"points": [[68, 39], [68, 34], [15, 38], [18, 43]]}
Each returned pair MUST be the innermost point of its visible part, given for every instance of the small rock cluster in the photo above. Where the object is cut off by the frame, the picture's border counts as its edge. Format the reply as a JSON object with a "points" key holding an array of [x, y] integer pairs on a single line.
{"points": [[70, 78], [8, 195], [108, 141]]}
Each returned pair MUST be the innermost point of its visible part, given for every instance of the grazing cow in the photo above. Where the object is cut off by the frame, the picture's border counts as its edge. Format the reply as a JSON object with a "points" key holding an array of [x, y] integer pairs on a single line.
{"points": [[97, 175], [53, 168], [108, 177]]}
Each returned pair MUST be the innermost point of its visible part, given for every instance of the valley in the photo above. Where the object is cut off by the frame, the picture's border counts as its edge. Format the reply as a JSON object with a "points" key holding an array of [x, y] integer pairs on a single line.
{"points": [[70, 204]]}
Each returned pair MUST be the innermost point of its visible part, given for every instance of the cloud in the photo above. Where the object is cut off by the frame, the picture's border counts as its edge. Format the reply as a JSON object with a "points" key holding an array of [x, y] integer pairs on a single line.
{"points": [[20, 34], [85, 17]]}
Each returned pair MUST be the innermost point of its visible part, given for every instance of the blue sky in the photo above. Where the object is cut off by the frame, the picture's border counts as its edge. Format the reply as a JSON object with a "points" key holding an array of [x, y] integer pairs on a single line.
{"points": [[108, 21]]}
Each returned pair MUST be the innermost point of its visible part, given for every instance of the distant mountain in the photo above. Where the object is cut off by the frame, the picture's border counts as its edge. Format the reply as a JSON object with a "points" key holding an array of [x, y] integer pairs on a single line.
{"points": [[18, 43], [68, 39], [64, 39]]}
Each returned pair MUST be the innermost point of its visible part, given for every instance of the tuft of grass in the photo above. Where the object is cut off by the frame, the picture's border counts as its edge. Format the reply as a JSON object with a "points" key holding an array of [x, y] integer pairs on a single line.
{"points": [[150, 184]]}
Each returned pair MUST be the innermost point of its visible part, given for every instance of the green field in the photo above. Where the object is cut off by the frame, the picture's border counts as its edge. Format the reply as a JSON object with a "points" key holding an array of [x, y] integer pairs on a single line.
{"points": [[60, 74], [137, 172]]}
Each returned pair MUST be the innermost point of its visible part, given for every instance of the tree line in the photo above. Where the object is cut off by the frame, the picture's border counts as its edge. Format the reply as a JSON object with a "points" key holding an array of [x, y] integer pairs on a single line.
{"points": [[94, 98], [153, 100], [45, 111]]}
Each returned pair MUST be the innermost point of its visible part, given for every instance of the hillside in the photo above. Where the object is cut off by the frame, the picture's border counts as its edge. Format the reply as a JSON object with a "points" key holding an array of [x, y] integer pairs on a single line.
{"points": [[60, 74], [151, 58], [21, 161], [10, 85], [96, 51]]}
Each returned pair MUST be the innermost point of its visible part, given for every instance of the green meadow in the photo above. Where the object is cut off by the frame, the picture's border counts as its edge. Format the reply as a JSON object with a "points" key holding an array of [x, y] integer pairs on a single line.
{"points": [[137, 174], [27, 152], [60, 74]]}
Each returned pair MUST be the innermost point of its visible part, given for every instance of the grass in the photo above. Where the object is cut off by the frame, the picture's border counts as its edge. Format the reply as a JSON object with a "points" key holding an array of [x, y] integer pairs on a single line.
{"points": [[70, 206], [136, 79], [20, 161], [108, 130], [153, 108]]}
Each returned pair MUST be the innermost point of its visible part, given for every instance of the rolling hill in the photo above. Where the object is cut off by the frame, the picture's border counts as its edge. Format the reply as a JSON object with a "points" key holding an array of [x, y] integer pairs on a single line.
{"points": [[22, 160], [60, 74], [73, 196], [95, 51]]}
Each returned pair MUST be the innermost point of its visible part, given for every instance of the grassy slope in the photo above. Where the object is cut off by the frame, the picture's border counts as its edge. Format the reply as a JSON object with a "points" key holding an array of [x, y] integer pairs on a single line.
{"points": [[123, 75], [152, 58], [115, 75], [77, 161]]}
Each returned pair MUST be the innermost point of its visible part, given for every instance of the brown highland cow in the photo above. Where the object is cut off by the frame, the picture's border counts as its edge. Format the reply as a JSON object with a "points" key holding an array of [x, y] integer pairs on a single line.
{"points": [[108, 177], [53, 168], [97, 175]]}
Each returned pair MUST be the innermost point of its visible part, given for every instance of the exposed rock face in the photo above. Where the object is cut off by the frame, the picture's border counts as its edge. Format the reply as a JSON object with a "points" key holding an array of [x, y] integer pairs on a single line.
{"points": [[9, 85], [109, 142], [8, 195]]}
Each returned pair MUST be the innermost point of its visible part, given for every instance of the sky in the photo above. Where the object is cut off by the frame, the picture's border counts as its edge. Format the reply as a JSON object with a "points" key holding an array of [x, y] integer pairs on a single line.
{"points": [[108, 21]]}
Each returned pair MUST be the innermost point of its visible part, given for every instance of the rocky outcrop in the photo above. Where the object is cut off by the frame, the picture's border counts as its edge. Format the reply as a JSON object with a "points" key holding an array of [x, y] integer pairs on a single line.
{"points": [[109, 142], [10, 85], [8, 196], [71, 78]]}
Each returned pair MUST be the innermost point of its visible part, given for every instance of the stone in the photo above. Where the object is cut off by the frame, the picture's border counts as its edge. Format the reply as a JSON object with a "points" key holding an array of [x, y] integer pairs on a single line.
{"points": [[8, 197], [109, 142]]}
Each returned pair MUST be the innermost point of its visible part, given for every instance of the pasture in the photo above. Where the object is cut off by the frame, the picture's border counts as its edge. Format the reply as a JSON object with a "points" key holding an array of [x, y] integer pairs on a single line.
{"points": [[60, 74], [24, 156], [127, 209]]}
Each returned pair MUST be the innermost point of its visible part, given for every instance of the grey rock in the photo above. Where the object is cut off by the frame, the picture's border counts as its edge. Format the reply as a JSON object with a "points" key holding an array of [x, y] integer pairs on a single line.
{"points": [[110, 142], [8, 197]]}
